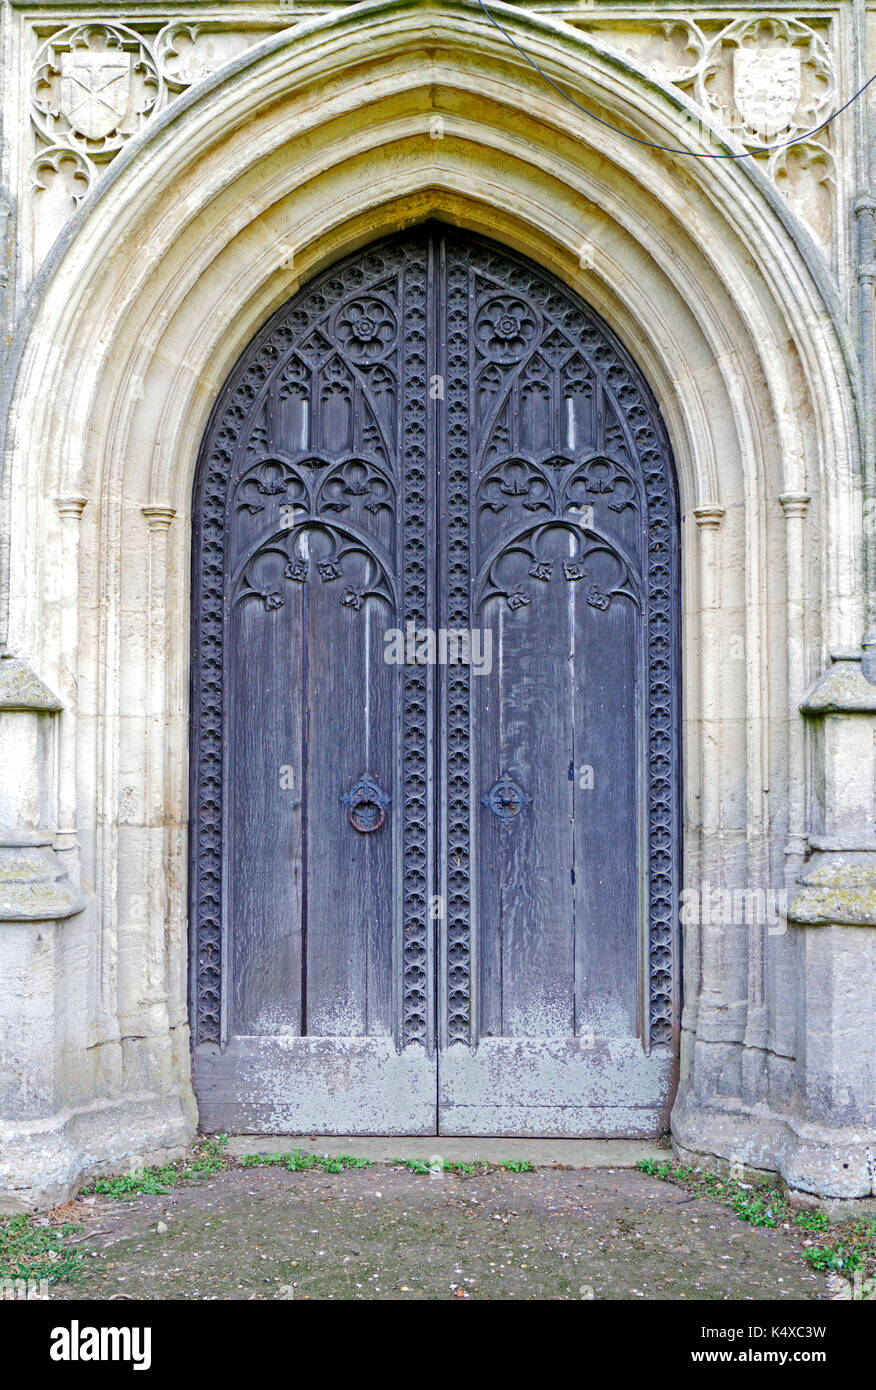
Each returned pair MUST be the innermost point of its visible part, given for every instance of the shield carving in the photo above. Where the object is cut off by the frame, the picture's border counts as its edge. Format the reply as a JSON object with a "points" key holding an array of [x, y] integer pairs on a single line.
{"points": [[767, 87], [95, 91]]}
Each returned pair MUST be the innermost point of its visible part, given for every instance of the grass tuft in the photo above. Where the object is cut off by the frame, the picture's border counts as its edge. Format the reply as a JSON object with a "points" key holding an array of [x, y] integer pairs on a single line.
{"points": [[427, 1166], [848, 1248], [33, 1248], [301, 1162], [208, 1158]]}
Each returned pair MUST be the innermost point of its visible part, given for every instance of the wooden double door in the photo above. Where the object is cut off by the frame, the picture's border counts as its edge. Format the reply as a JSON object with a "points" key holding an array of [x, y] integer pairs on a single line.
{"points": [[434, 821]]}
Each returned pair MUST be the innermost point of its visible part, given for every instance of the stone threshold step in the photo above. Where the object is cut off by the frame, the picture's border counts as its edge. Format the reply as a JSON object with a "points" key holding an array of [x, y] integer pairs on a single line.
{"points": [[544, 1153]]}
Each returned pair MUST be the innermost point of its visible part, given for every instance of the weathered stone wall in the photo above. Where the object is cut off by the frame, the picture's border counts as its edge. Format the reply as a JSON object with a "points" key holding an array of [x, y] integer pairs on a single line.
{"points": [[234, 152]]}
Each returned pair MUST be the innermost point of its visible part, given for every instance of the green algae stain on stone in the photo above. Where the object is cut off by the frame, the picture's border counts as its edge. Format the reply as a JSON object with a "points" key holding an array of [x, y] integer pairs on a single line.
{"points": [[841, 895]]}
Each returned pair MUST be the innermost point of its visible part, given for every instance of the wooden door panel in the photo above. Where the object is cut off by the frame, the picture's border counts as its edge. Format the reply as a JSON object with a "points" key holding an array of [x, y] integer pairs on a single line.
{"points": [[314, 975], [608, 827], [559, 817], [351, 700], [553, 1087], [435, 896], [265, 882], [523, 722], [314, 1085]]}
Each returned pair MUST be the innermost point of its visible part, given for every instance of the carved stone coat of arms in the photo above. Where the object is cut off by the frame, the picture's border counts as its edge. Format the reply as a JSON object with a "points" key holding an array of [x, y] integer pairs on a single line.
{"points": [[95, 91], [767, 88]]}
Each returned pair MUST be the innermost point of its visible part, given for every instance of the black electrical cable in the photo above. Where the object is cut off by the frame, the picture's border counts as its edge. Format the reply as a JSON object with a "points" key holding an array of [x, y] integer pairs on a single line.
{"points": [[669, 149]]}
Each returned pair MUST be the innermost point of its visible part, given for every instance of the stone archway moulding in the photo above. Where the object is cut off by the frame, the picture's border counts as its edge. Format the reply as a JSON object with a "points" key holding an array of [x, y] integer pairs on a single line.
{"points": [[311, 144]]}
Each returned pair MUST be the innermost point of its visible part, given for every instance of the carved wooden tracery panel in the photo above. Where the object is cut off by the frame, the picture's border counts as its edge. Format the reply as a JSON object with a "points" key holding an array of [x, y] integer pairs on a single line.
{"points": [[433, 371], [561, 434], [303, 482]]}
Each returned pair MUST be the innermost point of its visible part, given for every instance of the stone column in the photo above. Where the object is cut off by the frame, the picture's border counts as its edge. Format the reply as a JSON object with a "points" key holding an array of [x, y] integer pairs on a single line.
{"points": [[834, 913], [764, 1035], [159, 519], [702, 955], [795, 506], [70, 510], [36, 898]]}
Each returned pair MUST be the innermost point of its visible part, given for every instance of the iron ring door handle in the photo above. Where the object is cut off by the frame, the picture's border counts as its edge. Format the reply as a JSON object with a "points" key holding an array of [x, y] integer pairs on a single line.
{"points": [[366, 805], [506, 799]]}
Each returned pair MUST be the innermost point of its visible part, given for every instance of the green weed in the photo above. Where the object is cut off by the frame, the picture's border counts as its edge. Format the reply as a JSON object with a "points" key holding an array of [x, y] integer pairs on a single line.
{"points": [[31, 1250], [301, 1162]]}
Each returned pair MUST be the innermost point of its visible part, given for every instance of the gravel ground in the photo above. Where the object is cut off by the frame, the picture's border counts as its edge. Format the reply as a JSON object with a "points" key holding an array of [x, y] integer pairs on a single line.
{"points": [[384, 1233]]}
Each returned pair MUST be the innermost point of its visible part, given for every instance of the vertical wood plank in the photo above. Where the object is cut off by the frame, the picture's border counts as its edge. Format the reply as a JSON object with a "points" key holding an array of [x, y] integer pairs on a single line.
{"points": [[265, 825]]}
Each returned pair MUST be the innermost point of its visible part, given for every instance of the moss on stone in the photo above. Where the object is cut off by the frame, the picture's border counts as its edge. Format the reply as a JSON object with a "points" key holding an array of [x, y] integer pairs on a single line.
{"points": [[22, 689], [844, 895]]}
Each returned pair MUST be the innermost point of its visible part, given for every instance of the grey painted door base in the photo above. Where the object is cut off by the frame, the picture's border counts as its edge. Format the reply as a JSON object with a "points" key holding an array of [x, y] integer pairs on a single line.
{"points": [[337, 1086], [324, 1085]]}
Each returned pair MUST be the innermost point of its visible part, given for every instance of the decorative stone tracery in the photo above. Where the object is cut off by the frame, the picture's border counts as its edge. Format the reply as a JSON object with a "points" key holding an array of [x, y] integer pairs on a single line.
{"points": [[94, 86], [764, 80], [767, 80]]}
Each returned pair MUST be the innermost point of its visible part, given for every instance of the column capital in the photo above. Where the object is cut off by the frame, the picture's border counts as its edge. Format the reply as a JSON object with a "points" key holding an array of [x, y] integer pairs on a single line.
{"points": [[795, 503], [708, 518], [71, 506], [159, 518]]}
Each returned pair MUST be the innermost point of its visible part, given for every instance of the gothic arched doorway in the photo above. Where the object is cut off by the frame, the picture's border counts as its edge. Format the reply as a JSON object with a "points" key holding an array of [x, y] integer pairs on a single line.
{"points": [[434, 813]]}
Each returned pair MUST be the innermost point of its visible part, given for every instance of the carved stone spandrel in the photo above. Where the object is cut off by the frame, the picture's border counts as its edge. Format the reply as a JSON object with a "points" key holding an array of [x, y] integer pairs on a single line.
{"points": [[94, 86], [768, 79]]}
